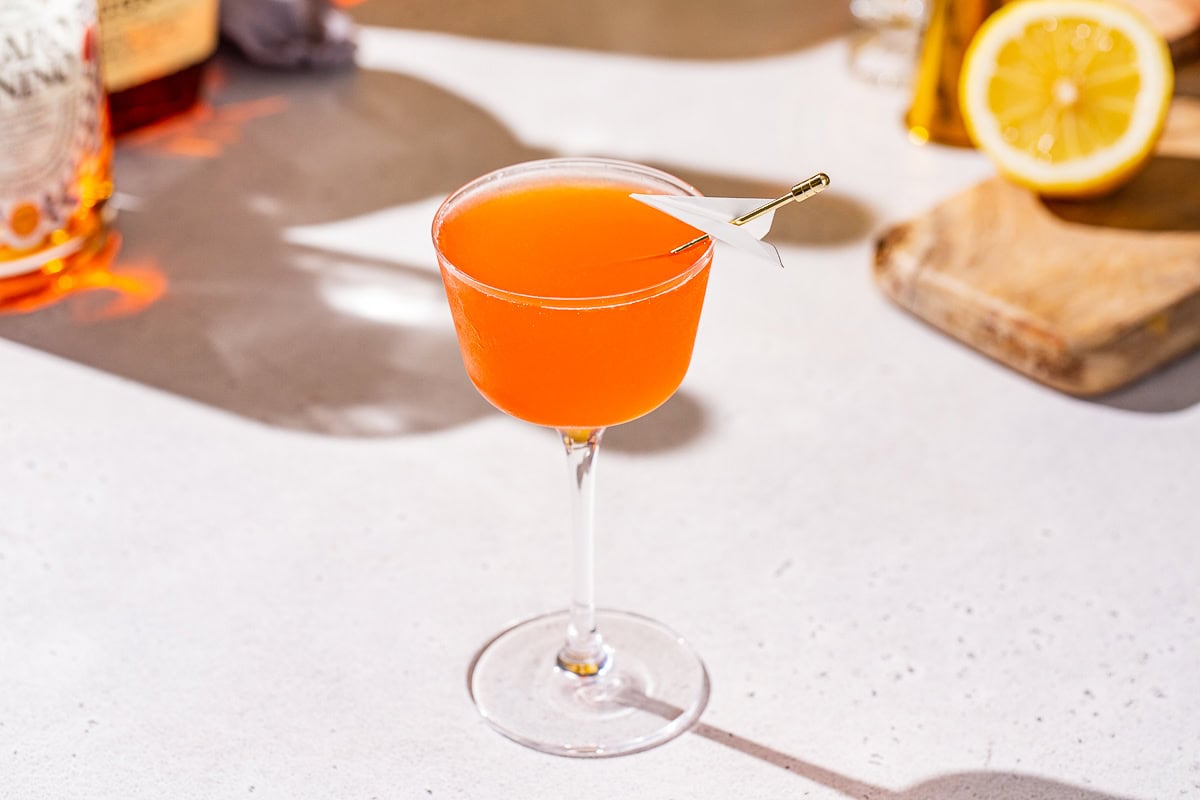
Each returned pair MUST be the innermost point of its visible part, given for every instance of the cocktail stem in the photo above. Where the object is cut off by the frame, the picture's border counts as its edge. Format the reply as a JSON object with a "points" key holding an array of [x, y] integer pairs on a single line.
{"points": [[584, 652]]}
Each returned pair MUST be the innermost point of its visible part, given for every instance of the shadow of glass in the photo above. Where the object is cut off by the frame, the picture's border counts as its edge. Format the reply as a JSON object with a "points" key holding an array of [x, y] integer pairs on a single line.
{"points": [[660, 28], [676, 422], [991, 785], [956, 786], [1164, 196]]}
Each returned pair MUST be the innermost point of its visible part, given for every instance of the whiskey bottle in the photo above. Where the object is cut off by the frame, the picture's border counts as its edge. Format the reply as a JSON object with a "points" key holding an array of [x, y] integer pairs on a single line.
{"points": [[154, 54], [55, 148]]}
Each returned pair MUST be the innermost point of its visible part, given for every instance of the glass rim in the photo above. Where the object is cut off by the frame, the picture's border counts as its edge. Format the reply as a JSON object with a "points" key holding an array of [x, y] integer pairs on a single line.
{"points": [[566, 164]]}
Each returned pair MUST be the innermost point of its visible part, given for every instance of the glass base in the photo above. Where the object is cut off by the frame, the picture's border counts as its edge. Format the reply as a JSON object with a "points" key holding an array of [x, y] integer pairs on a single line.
{"points": [[652, 688]]}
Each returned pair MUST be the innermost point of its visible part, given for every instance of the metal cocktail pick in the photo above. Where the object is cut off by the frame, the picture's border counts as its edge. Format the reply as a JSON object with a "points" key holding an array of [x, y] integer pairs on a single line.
{"points": [[801, 191]]}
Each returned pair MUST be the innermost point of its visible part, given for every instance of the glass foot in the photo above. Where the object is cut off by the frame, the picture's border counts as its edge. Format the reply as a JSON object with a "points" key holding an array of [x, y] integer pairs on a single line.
{"points": [[652, 688]]}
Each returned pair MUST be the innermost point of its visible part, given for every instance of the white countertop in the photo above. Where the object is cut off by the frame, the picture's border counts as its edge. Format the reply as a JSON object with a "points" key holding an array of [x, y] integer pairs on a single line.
{"points": [[252, 534]]}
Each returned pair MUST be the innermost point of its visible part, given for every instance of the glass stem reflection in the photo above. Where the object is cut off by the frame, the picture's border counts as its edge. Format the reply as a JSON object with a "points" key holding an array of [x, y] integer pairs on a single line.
{"points": [[584, 652]]}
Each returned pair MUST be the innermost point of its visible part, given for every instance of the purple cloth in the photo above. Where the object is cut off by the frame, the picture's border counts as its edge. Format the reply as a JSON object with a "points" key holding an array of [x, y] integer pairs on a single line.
{"points": [[289, 33]]}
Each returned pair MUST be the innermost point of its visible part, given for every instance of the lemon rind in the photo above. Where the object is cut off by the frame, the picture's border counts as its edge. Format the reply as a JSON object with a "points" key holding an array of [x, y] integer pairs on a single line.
{"points": [[1096, 172]]}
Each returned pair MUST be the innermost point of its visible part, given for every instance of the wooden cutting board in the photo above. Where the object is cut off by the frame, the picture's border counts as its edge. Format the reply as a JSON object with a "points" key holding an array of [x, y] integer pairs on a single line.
{"points": [[1179, 23], [1083, 296]]}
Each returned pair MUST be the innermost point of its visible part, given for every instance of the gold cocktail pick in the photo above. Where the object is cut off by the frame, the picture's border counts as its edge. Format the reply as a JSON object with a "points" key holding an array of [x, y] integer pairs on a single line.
{"points": [[801, 191]]}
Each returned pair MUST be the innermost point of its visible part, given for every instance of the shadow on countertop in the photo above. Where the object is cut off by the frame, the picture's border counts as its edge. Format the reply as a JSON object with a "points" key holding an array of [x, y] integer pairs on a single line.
{"points": [[283, 333], [346, 342], [981, 785], [1171, 388], [658, 28], [676, 422]]}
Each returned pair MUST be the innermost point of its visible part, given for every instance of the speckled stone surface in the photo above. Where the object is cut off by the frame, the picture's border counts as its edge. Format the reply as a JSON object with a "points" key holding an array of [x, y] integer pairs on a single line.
{"points": [[252, 534]]}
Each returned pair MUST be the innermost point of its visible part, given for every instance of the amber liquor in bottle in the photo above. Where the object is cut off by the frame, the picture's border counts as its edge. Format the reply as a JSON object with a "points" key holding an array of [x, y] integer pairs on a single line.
{"points": [[55, 148], [155, 53]]}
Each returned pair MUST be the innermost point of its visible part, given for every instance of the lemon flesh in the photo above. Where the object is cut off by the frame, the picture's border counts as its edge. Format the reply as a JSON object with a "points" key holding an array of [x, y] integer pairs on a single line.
{"points": [[1067, 97]]}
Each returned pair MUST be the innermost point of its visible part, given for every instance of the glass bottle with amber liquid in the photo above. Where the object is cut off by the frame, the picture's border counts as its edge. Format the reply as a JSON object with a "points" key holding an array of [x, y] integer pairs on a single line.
{"points": [[934, 114], [154, 54], [55, 147]]}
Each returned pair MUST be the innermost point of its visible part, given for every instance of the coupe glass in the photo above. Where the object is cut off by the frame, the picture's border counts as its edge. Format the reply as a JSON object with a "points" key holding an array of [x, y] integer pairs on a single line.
{"points": [[583, 681]]}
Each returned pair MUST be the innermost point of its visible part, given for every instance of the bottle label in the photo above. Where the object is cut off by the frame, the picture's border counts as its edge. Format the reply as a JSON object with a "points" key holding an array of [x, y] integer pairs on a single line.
{"points": [[50, 107], [141, 40]]}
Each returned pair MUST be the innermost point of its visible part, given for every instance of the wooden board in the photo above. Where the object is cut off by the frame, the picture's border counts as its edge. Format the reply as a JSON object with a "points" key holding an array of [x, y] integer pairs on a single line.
{"points": [[1179, 23], [1083, 296]]}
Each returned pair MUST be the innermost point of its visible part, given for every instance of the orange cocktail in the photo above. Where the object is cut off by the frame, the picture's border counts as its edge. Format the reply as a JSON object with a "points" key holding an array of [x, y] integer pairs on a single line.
{"points": [[570, 311]]}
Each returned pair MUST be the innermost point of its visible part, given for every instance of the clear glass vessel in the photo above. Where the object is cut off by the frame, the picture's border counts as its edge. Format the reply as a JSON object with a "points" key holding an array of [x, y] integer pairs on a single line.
{"points": [[571, 314], [885, 50]]}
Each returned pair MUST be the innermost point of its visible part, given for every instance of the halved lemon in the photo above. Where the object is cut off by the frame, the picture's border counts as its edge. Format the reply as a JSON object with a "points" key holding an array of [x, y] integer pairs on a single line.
{"points": [[1067, 97]]}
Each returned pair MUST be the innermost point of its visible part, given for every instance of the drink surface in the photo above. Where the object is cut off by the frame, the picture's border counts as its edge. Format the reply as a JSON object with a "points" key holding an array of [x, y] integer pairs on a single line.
{"points": [[583, 358], [571, 239]]}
